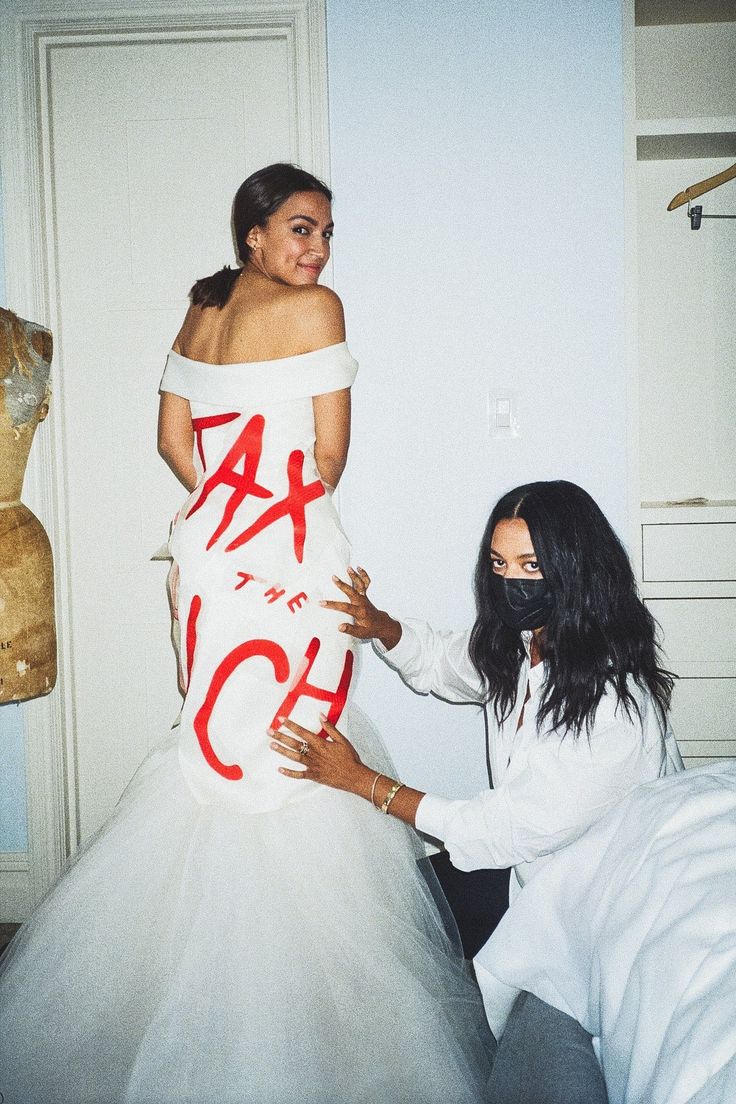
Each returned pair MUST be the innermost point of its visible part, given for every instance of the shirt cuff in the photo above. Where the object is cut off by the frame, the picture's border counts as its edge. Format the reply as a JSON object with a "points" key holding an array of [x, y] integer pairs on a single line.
{"points": [[406, 648], [432, 814]]}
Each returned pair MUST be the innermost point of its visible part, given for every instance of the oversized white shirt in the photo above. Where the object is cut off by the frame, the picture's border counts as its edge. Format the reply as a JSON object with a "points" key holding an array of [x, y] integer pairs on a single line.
{"points": [[548, 788]]}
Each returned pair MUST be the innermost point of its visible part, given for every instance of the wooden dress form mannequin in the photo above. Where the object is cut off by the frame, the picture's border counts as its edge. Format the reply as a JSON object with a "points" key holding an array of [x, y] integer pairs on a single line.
{"points": [[27, 630]]}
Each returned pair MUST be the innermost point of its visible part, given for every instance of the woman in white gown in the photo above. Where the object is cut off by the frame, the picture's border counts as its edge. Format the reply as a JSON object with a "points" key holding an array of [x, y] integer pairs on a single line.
{"points": [[232, 935]]}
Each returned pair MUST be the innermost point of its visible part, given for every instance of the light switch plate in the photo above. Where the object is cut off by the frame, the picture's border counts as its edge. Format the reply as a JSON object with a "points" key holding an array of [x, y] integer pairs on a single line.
{"points": [[502, 406]]}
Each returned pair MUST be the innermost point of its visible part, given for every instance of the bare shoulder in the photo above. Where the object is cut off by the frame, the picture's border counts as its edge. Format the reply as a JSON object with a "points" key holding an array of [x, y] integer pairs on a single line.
{"points": [[316, 315], [319, 297], [189, 327]]}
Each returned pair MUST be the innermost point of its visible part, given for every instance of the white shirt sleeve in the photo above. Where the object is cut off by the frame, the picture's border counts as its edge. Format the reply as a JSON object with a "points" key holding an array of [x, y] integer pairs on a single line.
{"points": [[554, 791], [433, 662], [432, 813]]}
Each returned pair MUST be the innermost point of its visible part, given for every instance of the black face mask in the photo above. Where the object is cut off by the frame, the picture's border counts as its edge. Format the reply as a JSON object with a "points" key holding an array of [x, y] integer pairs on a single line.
{"points": [[522, 603]]}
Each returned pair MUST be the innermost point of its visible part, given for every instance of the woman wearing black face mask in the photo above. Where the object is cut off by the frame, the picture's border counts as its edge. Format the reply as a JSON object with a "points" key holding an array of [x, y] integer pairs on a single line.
{"points": [[563, 652]]}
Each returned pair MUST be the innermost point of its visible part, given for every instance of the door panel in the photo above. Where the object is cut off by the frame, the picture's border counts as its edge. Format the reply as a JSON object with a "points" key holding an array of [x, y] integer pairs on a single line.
{"points": [[149, 142]]}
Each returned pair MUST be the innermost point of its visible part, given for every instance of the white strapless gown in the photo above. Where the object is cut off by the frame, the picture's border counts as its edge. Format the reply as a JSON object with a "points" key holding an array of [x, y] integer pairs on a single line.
{"points": [[233, 936]]}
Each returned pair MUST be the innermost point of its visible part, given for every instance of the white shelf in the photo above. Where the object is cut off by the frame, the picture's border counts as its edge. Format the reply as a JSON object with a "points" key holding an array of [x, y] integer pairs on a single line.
{"points": [[696, 124], [663, 12], [688, 512], [685, 139]]}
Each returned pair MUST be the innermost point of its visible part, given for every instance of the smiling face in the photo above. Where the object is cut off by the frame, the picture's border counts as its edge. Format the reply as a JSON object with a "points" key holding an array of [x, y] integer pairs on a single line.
{"points": [[294, 245], [512, 551]]}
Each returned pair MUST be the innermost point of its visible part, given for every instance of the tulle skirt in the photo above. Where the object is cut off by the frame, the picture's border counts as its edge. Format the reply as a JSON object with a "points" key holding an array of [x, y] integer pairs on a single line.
{"points": [[195, 953]]}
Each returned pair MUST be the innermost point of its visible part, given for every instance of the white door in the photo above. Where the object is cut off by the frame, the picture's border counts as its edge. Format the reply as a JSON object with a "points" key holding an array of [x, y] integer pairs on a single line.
{"points": [[148, 138]]}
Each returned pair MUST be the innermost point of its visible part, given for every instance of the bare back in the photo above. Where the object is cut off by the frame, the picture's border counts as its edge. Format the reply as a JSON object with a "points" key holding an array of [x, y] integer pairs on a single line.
{"points": [[262, 320]]}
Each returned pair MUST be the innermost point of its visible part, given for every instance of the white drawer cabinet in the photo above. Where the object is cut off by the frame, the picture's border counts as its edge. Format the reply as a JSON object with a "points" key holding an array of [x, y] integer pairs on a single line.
{"points": [[698, 635], [703, 711], [688, 572], [689, 553]]}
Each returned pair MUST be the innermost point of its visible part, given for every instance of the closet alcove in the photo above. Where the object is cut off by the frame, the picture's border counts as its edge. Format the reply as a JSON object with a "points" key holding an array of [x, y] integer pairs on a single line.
{"points": [[680, 85]]}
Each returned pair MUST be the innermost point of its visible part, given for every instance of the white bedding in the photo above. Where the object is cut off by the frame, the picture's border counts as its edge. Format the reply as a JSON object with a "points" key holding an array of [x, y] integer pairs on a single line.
{"points": [[643, 953]]}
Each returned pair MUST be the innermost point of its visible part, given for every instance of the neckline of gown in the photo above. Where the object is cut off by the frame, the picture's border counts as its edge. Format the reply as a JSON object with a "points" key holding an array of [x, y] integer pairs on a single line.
{"points": [[258, 363]]}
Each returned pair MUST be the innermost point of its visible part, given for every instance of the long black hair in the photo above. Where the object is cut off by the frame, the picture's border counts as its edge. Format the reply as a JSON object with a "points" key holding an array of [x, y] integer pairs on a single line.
{"points": [[599, 633], [255, 201]]}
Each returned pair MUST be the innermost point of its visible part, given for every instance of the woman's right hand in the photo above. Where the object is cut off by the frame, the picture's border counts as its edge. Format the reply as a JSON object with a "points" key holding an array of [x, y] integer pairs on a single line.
{"points": [[368, 622]]}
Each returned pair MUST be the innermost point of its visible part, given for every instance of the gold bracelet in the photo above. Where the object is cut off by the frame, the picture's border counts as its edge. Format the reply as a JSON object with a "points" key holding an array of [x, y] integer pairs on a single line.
{"points": [[373, 789], [390, 796]]}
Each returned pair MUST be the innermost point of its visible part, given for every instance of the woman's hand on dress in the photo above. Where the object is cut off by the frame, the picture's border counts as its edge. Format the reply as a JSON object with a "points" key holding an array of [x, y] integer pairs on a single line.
{"points": [[332, 761], [368, 621], [335, 762]]}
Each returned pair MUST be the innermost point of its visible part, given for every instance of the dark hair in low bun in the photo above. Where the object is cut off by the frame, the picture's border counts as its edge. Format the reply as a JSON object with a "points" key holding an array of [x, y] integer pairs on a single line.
{"points": [[214, 290], [255, 201]]}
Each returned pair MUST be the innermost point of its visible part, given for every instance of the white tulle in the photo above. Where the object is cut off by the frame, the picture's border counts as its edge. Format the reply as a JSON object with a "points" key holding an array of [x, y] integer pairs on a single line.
{"points": [[193, 953]]}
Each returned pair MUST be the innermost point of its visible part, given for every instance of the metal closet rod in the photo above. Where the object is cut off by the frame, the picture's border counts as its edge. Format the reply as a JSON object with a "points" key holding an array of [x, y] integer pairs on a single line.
{"points": [[695, 214]]}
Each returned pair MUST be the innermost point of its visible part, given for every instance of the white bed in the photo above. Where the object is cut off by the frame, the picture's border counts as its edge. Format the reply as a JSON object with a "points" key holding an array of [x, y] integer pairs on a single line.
{"points": [[643, 953]]}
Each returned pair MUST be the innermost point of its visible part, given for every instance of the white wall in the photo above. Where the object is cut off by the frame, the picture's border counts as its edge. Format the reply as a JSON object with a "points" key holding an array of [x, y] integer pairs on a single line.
{"points": [[478, 168], [477, 162]]}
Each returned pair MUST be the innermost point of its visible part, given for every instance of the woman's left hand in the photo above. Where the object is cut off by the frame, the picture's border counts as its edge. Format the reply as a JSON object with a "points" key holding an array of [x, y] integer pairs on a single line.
{"points": [[332, 761]]}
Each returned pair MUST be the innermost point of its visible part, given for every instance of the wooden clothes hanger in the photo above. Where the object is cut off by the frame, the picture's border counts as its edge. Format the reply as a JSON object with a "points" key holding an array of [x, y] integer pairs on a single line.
{"points": [[704, 186]]}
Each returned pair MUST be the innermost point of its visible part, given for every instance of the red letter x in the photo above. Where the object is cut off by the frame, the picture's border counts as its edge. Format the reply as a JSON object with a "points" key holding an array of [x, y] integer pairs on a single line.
{"points": [[293, 505]]}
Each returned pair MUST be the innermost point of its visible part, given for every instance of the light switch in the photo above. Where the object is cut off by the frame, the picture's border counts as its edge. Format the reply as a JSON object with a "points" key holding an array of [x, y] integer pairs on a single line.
{"points": [[503, 413]]}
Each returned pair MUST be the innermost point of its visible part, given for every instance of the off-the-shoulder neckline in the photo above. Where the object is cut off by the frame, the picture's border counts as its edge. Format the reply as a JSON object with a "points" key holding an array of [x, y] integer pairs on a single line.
{"points": [[257, 363]]}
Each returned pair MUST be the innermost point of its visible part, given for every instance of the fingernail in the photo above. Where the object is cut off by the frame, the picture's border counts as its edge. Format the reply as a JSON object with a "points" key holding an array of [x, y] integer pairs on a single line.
{"points": [[323, 603], [323, 716], [274, 745], [270, 732]]}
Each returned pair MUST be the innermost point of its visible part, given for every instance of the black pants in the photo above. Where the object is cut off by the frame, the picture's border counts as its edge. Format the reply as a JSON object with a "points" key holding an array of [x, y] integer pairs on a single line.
{"points": [[477, 899]]}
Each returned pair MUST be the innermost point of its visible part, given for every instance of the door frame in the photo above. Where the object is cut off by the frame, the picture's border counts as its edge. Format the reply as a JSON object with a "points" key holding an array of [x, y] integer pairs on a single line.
{"points": [[32, 29]]}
